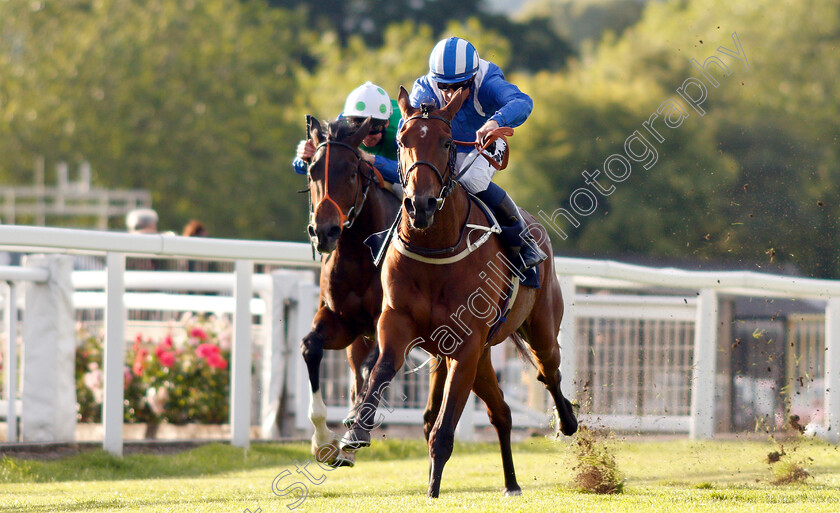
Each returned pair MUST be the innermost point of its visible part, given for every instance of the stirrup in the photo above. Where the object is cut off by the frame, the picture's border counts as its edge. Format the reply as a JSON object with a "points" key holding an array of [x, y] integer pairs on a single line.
{"points": [[530, 253]]}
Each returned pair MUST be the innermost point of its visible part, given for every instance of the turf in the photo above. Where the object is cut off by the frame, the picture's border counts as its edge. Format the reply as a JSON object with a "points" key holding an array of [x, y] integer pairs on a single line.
{"points": [[666, 476]]}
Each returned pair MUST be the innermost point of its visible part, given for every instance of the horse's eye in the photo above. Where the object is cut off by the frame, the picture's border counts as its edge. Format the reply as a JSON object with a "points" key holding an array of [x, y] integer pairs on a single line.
{"points": [[447, 144]]}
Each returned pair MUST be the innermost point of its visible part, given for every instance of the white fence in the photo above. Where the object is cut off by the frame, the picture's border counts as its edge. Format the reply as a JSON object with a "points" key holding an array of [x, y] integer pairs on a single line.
{"points": [[677, 333]]}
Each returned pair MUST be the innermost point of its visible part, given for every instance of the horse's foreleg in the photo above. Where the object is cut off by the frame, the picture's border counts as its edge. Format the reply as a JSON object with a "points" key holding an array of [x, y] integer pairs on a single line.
{"points": [[437, 380], [327, 333], [395, 332], [460, 378], [362, 355], [486, 387]]}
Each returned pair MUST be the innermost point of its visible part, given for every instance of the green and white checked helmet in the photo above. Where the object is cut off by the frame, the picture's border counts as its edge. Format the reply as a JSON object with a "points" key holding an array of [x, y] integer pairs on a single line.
{"points": [[368, 100]]}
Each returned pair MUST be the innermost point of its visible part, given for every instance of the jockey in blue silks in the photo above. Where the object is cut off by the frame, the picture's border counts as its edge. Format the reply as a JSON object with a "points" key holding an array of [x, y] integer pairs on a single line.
{"points": [[493, 102]]}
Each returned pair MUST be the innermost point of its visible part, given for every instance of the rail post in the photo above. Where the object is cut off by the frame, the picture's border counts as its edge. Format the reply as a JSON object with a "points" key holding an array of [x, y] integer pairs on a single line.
{"points": [[702, 425]]}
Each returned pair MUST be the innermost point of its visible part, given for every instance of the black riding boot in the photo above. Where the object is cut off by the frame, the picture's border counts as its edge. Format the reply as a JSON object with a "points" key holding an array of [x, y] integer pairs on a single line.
{"points": [[527, 248]]}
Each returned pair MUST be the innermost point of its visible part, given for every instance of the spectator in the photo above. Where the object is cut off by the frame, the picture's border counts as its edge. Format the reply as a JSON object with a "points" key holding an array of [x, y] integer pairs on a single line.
{"points": [[196, 228], [142, 220]]}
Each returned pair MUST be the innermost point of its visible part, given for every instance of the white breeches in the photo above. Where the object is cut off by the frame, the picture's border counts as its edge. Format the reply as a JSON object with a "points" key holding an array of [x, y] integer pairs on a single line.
{"points": [[481, 173]]}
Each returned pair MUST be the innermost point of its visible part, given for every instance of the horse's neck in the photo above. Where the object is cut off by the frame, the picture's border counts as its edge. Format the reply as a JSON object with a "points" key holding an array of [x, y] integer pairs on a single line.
{"points": [[446, 229]]}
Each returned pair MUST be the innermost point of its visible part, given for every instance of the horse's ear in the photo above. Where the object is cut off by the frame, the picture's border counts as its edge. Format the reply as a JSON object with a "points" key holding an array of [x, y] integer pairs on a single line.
{"points": [[405, 105], [316, 133], [358, 136], [455, 103]]}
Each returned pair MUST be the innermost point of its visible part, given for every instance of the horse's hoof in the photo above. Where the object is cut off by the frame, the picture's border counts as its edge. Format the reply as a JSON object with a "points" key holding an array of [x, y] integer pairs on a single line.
{"points": [[344, 459], [355, 439], [568, 422], [513, 492], [326, 453]]}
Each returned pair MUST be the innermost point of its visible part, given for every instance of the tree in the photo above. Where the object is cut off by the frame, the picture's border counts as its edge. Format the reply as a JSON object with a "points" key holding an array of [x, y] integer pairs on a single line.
{"points": [[187, 99]]}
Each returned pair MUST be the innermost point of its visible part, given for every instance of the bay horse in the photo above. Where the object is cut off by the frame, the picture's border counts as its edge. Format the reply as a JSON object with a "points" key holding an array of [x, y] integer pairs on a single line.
{"points": [[349, 206], [426, 293]]}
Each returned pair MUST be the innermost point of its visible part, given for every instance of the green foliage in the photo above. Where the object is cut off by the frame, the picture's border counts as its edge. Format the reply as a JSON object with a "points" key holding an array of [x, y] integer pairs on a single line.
{"points": [[203, 103], [183, 377], [584, 22], [188, 99]]}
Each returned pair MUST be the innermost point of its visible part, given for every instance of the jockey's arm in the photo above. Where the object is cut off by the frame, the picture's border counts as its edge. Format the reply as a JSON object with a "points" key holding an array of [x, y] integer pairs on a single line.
{"points": [[513, 106], [386, 166]]}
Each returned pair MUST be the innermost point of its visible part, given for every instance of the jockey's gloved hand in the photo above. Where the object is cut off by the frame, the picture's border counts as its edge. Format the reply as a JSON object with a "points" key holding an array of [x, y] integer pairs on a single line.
{"points": [[496, 150], [305, 150]]}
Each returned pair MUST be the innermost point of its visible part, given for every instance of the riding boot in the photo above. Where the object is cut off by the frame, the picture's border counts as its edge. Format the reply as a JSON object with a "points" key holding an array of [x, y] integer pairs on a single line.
{"points": [[523, 247], [527, 248]]}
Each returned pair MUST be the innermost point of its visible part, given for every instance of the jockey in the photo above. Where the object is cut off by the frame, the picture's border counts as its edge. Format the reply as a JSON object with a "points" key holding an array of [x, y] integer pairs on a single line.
{"points": [[493, 102], [379, 148]]}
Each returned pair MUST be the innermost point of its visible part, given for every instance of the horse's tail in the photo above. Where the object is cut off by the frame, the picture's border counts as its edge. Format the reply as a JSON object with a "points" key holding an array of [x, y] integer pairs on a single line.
{"points": [[522, 349]]}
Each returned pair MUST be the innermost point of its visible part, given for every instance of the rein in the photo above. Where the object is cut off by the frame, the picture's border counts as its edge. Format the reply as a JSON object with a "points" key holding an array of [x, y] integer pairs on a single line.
{"points": [[449, 184]]}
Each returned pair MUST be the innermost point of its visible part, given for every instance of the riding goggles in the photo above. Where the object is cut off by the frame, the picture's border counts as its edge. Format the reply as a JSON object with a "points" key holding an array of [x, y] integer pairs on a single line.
{"points": [[377, 126], [456, 85]]}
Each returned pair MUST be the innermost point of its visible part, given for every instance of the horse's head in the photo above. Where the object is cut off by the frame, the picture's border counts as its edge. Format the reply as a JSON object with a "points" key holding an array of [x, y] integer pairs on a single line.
{"points": [[335, 180], [427, 156]]}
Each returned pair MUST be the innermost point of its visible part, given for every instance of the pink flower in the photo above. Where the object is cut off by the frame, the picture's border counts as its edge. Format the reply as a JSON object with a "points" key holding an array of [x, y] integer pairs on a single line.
{"points": [[167, 341], [224, 340], [127, 376], [207, 350], [167, 358], [138, 361], [93, 380], [198, 333], [216, 361]]}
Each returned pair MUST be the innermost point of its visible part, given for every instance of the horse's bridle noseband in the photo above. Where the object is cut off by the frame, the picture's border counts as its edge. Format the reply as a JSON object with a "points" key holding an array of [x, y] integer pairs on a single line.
{"points": [[446, 185], [348, 219]]}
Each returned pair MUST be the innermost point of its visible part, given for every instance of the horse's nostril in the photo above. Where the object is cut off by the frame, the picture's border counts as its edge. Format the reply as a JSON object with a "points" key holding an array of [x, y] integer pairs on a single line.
{"points": [[334, 232], [311, 230], [431, 203], [408, 204]]}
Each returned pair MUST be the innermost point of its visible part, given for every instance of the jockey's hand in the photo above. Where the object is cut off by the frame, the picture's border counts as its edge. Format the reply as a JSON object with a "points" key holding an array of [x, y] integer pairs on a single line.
{"points": [[305, 149], [367, 157], [488, 127]]}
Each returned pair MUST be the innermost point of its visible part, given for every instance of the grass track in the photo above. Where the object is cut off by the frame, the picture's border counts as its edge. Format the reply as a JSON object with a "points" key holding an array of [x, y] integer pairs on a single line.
{"points": [[671, 476]]}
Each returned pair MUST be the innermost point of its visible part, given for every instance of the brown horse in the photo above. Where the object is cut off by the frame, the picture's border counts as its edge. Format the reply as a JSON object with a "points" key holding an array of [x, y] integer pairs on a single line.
{"points": [[348, 207], [442, 293]]}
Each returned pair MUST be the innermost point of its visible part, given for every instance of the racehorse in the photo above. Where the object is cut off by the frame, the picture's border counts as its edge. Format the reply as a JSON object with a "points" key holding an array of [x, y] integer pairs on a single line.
{"points": [[349, 206], [434, 276]]}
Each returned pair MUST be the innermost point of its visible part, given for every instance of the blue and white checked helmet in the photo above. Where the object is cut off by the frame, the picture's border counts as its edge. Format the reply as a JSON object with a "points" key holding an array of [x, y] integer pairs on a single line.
{"points": [[453, 60]]}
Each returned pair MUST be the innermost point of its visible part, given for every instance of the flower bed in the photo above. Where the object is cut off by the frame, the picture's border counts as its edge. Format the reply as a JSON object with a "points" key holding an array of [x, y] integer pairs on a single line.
{"points": [[181, 377]]}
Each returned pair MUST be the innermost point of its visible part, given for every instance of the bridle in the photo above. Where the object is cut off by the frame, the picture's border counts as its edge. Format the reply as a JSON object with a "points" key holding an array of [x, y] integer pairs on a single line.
{"points": [[446, 185], [346, 220], [451, 181]]}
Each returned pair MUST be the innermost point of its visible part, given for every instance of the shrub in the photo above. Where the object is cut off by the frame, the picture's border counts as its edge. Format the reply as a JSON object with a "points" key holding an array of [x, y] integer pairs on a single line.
{"points": [[182, 377]]}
